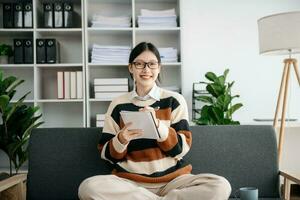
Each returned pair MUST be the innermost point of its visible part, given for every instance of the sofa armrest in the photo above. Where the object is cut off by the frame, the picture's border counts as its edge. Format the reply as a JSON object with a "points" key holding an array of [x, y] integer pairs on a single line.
{"points": [[288, 177]]}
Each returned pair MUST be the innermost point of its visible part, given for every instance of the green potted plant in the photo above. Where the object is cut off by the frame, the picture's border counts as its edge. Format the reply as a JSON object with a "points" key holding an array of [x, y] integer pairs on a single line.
{"points": [[16, 122], [218, 108], [5, 53]]}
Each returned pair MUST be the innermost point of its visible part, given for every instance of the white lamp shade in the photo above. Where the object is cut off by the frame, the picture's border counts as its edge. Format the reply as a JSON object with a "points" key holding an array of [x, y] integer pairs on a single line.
{"points": [[279, 33]]}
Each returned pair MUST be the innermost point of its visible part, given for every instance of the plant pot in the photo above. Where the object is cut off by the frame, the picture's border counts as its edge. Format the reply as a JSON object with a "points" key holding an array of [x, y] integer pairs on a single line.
{"points": [[3, 59]]}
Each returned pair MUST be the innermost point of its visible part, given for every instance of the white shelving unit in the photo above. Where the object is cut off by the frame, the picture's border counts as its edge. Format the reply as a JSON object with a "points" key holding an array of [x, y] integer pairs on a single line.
{"points": [[161, 37], [41, 79], [75, 46]]}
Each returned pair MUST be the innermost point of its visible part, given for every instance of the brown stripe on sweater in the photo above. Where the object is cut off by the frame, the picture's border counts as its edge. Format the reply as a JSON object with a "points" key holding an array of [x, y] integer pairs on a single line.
{"points": [[166, 178], [170, 142], [163, 114], [114, 153], [100, 147], [188, 136], [145, 155]]}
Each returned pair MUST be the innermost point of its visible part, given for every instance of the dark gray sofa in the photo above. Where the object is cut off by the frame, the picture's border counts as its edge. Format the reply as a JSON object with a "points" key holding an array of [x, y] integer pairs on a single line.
{"points": [[60, 158]]}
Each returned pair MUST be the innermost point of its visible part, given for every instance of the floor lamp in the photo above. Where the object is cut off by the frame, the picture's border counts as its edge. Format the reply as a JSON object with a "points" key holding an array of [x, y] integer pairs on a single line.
{"points": [[279, 34]]}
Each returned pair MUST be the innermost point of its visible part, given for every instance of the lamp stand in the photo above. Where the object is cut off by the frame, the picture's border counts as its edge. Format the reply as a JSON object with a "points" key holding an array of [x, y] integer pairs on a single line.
{"points": [[284, 89]]}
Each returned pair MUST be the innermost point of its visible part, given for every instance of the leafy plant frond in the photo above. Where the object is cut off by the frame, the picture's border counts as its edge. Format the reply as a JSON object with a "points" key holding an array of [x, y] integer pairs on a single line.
{"points": [[218, 109], [18, 121]]}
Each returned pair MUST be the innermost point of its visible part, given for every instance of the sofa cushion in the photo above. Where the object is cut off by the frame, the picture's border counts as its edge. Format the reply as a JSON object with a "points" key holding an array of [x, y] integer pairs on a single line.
{"points": [[246, 155]]}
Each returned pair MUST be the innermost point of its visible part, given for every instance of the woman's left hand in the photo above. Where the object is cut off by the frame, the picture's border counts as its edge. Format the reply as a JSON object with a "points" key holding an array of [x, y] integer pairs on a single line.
{"points": [[152, 110]]}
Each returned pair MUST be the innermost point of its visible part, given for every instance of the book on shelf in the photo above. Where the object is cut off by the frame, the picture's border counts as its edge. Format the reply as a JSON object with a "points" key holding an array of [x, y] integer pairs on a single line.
{"points": [[67, 83], [60, 85], [107, 95], [79, 84], [73, 86], [111, 88], [100, 120], [110, 81]]}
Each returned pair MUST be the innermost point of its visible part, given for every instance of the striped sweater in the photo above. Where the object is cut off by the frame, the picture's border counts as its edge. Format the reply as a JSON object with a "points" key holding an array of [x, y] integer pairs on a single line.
{"points": [[148, 160]]}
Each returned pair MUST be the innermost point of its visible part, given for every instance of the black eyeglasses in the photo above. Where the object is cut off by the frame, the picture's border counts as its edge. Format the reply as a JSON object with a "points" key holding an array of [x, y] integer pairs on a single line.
{"points": [[142, 65]]}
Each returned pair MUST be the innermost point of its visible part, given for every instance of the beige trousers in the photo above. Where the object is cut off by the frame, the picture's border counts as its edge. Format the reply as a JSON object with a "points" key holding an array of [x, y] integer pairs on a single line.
{"points": [[185, 187]]}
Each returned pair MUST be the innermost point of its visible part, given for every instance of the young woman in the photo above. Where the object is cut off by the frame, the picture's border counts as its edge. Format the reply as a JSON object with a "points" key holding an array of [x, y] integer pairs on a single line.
{"points": [[148, 169]]}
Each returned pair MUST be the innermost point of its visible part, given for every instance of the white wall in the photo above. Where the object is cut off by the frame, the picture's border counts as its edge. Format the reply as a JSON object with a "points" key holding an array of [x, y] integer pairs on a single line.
{"points": [[223, 34]]}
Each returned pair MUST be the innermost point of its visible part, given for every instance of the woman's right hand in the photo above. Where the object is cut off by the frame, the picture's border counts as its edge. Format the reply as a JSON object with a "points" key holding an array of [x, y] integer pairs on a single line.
{"points": [[126, 135]]}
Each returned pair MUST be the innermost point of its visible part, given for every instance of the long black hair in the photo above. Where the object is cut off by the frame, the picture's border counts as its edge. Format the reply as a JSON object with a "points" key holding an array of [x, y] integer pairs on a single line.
{"points": [[140, 48]]}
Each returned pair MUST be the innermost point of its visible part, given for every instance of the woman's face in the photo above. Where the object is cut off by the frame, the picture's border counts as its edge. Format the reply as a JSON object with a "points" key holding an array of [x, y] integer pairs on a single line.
{"points": [[145, 69]]}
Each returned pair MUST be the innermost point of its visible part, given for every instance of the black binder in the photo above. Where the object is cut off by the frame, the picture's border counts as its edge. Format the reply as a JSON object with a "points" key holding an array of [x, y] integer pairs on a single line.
{"points": [[28, 51], [48, 15], [18, 51], [18, 15], [58, 15], [51, 51], [8, 15], [27, 15], [40, 51], [68, 15]]}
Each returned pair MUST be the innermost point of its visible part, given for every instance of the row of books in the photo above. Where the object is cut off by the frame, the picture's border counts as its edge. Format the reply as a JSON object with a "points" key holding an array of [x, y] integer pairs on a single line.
{"points": [[69, 85], [157, 18], [100, 120], [109, 88], [109, 54], [105, 21]]}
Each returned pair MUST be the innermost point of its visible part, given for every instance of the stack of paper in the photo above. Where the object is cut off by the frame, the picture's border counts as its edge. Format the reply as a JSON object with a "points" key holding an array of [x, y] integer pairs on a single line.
{"points": [[110, 54], [110, 88], [168, 54], [157, 18], [100, 120], [104, 21]]}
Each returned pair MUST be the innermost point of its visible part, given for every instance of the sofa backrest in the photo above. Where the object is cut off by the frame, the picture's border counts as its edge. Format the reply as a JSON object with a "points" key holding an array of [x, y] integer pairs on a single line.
{"points": [[60, 158], [246, 155]]}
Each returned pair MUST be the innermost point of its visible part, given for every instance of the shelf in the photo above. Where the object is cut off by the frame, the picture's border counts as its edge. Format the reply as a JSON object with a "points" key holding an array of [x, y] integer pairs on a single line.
{"points": [[140, 29], [15, 66], [67, 30], [8, 30], [60, 65], [99, 100], [59, 100], [25, 101], [94, 29], [107, 64]]}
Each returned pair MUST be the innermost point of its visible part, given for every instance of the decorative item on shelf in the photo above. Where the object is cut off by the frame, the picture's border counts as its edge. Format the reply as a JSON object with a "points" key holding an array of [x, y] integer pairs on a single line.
{"points": [[218, 109], [279, 34], [5, 53], [18, 119]]}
